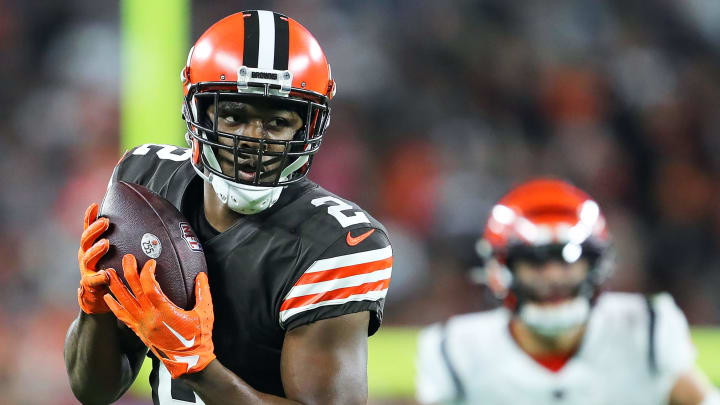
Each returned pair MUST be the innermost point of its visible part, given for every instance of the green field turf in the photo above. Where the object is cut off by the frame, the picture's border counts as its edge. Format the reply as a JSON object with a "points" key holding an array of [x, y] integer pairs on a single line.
{"points": [[391, 367], [707, 341]]}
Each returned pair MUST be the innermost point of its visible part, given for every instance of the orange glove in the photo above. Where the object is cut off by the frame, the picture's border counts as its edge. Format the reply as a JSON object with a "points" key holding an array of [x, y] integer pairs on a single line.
{"points": [[181, 339], [93, 283]]}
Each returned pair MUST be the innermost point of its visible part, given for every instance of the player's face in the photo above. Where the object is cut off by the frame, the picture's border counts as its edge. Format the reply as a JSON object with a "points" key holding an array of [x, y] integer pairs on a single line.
{"points": [[550, 282], [254, 120]]}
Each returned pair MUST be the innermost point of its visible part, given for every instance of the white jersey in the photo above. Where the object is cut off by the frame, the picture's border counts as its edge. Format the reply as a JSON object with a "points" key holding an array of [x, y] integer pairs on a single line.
{"points": [[632, 353]]}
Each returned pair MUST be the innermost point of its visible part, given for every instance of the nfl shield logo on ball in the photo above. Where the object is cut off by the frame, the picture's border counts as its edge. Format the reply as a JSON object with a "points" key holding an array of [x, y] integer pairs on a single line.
{"points": [[150, 244], [192, 240]]}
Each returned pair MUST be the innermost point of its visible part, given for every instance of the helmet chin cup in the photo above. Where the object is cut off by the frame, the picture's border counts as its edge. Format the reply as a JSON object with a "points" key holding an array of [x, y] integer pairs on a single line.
{"points": [[554, 320], [221, 188], [241, 198], [244, 199]]}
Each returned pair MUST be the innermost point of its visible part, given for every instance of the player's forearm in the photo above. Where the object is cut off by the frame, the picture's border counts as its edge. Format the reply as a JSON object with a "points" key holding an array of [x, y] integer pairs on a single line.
{"points": [[98, 370], [217, 385]]}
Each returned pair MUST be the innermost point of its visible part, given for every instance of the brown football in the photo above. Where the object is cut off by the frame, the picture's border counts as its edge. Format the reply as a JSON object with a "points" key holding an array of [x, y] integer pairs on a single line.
{"points": [[149, 226]]}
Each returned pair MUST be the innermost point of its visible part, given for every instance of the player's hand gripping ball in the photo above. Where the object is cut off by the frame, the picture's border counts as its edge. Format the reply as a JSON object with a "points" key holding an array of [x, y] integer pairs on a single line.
{"points": [[181, 339], [93, 283]]}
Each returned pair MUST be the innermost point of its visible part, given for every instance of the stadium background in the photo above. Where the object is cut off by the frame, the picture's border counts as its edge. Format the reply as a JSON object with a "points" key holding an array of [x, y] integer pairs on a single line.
{"points": [[441, 107]]}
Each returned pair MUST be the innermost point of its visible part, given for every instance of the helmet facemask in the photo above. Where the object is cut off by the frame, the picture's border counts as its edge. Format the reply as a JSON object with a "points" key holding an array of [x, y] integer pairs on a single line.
{"points": [[556, 307], [275, 163], [262, 167]]}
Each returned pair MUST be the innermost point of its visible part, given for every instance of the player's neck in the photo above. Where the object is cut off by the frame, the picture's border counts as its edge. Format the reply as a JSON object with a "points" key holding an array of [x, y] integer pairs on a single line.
{"points": [[537, 345], [218, 215]]}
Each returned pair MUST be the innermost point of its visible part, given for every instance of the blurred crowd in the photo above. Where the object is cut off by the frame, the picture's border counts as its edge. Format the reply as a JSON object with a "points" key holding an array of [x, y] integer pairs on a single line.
{"points": [[441, 108]]}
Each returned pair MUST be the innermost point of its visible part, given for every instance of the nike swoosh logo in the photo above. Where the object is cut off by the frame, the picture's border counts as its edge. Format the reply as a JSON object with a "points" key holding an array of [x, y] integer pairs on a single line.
{"points": [[185, 342], [352, 241]]}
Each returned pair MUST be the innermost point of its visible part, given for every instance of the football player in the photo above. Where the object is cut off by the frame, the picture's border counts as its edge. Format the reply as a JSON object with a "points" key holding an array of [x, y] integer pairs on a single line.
{"points": [[558, 339], [296, 277]]}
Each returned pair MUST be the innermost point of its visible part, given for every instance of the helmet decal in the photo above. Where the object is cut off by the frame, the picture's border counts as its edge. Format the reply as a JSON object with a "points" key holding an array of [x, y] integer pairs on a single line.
{"points": [[266, 40]]}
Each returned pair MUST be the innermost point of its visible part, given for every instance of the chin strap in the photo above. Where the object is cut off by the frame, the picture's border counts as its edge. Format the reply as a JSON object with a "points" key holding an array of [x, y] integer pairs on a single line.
{"points": [[554, 320], [242, 198], [292, 167]]}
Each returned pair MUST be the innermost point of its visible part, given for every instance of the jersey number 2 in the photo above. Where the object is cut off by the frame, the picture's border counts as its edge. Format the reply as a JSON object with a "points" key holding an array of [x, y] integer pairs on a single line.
{"points": [[165, 152], [336, 209], [174, 392]]}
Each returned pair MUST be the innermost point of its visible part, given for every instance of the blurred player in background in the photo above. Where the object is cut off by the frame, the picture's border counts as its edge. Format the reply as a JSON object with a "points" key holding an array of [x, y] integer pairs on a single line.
{"points": [[298, 276], [559, 338]]}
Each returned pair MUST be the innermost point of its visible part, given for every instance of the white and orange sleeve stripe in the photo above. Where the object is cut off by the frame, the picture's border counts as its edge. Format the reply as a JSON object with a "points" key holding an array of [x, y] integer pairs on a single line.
{"points": [[338, 280]]}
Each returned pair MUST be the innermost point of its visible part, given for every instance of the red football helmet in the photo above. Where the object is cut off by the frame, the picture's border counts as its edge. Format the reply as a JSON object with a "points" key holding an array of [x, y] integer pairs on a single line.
{"points": [[257, 55], [541, 220]]}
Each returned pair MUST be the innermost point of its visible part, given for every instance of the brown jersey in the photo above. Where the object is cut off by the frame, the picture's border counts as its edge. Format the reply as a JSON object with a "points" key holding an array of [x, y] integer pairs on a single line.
{"points": [[311, 256]]}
